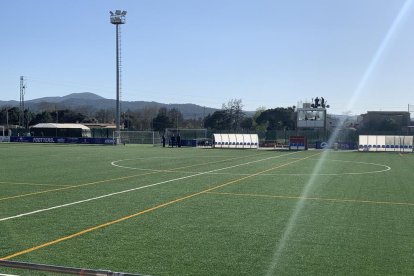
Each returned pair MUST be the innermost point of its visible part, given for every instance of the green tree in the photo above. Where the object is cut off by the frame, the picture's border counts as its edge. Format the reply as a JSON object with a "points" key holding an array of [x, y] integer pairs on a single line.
{"points": [[278, 118], [28, 117], [147, 116], [247, 124], [389, 124], [219, 120], [162, 121], [9, 115], [256, 126], [234, 110], [175, 117], [104, 116], [43, 117], [68, 116]]}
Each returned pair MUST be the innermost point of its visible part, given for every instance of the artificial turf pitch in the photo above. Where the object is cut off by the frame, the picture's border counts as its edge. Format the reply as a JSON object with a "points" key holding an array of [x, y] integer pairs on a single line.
{"points": [[186, 211]]}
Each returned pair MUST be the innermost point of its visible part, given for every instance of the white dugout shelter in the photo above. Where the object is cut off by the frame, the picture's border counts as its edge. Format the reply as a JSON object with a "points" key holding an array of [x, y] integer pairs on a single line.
{"points": [[60, 130], [385, 143], [236, 141]]}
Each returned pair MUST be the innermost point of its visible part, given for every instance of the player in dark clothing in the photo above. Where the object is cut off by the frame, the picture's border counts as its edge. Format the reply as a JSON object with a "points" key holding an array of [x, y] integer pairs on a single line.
{"points": [[179, 141], [172, 141]]}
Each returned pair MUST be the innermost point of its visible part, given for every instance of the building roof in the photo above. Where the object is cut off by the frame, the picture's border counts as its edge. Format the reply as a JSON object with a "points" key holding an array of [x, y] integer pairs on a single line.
{"points": [[53, 125], [100, 125], [388, 112]]}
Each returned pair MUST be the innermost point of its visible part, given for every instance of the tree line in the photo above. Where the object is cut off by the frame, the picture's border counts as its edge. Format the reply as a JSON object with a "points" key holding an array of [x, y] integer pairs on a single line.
{"points": [[231, 117]]}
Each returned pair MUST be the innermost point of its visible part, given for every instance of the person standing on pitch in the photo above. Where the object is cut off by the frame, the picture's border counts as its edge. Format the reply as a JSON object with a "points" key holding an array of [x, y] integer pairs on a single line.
{"points": [[163, 141], [178, 140], [172, 141]]}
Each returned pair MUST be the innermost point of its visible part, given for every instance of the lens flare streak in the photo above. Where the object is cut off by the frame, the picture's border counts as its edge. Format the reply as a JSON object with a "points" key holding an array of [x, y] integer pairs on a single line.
{"points": [[289, 228]]}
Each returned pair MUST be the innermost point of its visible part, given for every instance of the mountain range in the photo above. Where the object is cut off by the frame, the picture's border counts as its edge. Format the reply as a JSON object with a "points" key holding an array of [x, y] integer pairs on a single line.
{"points": [[92, 102]]}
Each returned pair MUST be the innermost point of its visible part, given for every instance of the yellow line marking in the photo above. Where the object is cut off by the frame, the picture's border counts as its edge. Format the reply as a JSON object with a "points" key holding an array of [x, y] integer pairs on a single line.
{"points": [[31, 184], [113, 179], [316, 198], [29, 250]]}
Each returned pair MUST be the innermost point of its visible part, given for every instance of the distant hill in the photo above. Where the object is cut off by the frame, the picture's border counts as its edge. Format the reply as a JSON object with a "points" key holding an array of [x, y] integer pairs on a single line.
{"points": [[74, 96], [93, 102]]}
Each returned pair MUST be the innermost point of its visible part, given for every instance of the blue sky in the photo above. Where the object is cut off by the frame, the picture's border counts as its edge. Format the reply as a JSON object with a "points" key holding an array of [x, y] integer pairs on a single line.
{"points": [[267, 53]]}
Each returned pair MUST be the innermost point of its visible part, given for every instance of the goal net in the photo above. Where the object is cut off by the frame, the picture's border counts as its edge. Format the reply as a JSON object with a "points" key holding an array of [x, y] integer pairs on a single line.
{"points": [[186, 134], [138, 137], [187, 137]]}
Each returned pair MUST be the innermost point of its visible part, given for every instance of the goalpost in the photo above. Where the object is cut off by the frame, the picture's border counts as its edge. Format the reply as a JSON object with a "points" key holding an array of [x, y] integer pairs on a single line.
{"points": [[138, 137], [186, 134], [189, 137]]}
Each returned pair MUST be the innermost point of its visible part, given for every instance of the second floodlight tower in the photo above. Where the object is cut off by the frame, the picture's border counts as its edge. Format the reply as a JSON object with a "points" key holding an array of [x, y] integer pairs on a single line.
{"points": [[118, 18]]}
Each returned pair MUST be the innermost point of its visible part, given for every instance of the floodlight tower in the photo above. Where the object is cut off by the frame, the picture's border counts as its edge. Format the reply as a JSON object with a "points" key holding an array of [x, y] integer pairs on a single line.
{"points": [[22, 93], [117, 18]]}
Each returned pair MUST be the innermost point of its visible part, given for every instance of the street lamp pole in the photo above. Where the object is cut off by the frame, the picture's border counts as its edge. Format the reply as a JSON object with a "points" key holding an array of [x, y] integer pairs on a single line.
{"points": [[117, 18], [7, 117]]}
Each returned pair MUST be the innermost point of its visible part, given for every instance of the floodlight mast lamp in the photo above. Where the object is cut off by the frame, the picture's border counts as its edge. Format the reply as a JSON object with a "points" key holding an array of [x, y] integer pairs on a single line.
{"points": [[117, 18]]}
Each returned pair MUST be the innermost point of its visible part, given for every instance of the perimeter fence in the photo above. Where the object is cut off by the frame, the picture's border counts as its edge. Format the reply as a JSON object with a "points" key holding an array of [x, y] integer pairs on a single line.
{"points": [[267, 138]]}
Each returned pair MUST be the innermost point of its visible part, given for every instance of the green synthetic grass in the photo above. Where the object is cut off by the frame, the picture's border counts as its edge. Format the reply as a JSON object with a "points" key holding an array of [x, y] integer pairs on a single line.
{"points": [[354, 217]]}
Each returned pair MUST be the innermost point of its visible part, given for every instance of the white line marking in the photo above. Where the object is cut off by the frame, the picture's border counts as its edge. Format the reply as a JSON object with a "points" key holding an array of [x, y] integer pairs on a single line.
{"points": [[387, 168], [113, 163], [138, 188], [225, 158]]}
